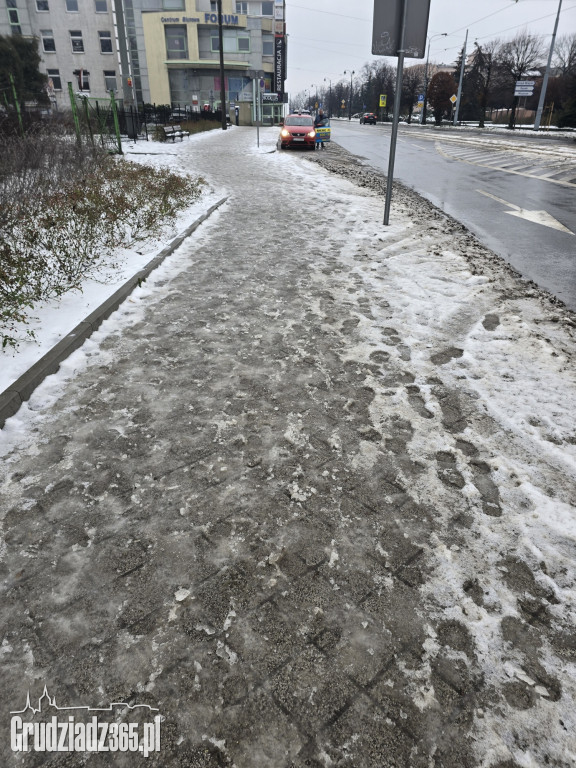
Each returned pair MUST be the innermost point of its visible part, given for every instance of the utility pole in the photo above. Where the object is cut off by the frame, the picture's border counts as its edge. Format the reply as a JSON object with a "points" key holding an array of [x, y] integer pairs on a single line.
{"points": [[350, 96], [329, 97], [459, 94], [316, 99], [397, 98], [547, 73], [222, 79]]}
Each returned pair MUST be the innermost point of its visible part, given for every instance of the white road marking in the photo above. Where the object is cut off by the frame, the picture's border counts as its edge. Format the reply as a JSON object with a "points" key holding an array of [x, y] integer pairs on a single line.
{"points": [[538, 217], [502, 168]]}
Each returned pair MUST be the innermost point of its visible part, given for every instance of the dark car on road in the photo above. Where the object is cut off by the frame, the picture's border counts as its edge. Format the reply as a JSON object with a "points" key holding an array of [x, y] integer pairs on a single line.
{"points": [[297, 131], [368, 117]]}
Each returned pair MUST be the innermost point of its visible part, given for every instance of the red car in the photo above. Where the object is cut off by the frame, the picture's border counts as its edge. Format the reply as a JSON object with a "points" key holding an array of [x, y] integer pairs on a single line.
{"points": [[297, 131]]}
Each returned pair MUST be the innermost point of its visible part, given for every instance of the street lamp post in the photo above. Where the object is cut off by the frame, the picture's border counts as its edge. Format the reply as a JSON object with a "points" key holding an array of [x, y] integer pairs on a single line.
{"points": [[423, 116], [546, 74], [462, 68], [224, 122], [329, 97], [316, 99], [350, 95]]}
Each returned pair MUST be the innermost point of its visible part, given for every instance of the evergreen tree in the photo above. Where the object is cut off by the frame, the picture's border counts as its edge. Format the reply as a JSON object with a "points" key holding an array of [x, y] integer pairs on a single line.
{"points": [[441, 88], [20, 58]]}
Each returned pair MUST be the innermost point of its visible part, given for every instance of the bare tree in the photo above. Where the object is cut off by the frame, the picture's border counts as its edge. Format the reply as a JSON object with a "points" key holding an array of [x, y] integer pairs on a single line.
{"points": [[565, 55], [412, 84], [564, 97], [519, 56], [479, 78]]}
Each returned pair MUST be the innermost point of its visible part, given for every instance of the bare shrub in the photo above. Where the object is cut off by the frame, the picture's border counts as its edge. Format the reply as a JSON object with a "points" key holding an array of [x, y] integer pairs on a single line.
{"points": [[63, 210]]}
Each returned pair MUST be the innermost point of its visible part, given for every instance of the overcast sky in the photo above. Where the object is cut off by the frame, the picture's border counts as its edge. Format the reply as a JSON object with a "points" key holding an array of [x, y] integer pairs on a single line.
{"points": [[327, 37]]}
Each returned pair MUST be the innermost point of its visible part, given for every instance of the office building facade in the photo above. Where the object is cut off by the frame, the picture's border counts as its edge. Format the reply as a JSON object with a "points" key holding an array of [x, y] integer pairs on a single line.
{"points": [[158, 51]]}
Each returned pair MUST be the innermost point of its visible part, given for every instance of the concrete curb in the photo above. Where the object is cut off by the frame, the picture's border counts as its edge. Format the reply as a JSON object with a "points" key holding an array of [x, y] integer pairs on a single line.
{"points": [[13, 397]]}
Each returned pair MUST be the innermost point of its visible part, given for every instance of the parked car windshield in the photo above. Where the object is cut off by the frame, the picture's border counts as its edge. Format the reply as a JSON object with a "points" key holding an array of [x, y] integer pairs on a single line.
{"points": [[298, 120]]}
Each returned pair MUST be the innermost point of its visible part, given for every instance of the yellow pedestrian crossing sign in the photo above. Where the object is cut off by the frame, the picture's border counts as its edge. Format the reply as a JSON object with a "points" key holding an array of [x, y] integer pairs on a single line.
{"points": [[382, 99]]}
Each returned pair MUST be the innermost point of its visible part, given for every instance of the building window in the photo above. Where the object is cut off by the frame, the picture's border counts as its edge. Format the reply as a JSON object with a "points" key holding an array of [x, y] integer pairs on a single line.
{"points": [[242, 8], [48, 44], [213, 6], [76, 40], [173, 5], [267, 9], [234, 40], [110, 79], [42, 5], [83, 78], [101, 6], [72, 6], [13, 17], [267, 45], [105, 42], [176, 42], [54, 76]]}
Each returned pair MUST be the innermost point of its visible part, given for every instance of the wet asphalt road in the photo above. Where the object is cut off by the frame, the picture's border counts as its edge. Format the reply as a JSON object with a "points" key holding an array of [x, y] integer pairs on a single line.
{"points": [[517, 194]]}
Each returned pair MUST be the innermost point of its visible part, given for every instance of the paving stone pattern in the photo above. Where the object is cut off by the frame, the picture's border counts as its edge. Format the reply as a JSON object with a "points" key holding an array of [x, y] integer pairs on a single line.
{"points": [[211, 521]]}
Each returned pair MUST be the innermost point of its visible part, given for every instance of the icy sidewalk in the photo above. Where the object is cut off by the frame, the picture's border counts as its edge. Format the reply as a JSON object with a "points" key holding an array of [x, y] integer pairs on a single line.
{"points": [[310, 493]]}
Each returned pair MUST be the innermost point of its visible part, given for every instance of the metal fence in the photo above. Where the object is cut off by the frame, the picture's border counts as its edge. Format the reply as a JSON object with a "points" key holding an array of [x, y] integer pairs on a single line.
{"points": [[101, 121]]}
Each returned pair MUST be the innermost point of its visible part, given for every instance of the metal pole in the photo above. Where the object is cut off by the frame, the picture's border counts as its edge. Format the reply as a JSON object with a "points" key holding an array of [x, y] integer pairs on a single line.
{"points": [[222, 79], [74, 108], [459, 94], [423, 115], [116, 123], [329, 97], [256, 96], [16, 104], [121, 41], [350, 104], [547, 73], [424, 111], [396, 116]]}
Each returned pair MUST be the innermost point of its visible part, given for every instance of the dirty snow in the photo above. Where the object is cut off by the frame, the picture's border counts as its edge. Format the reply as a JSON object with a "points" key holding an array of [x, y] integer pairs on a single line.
{"points": [[477, 389]]}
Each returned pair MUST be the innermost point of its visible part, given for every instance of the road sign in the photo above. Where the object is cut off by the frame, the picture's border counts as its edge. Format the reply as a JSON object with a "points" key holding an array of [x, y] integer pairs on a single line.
{"points": [[420, 97], [453, 99], [387, 23], [524, 87], [382, 99]]}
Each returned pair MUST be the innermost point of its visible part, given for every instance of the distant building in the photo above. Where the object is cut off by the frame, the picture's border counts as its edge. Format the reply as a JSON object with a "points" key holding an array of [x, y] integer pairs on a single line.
{"points": [[158, 51], [77, 42]]}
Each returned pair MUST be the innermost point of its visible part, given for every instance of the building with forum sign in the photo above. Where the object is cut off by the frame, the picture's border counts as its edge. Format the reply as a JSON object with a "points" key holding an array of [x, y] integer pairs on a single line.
{"points": [[159, 51], [183, 55]]}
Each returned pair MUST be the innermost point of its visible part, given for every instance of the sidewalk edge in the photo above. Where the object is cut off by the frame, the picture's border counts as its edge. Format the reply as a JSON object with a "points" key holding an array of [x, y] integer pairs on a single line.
{"points": [[13, 397]]}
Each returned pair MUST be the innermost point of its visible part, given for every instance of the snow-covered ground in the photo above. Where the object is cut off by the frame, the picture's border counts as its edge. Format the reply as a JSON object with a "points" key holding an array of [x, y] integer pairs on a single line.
{"points": [[52, 320], [472, 389]]}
